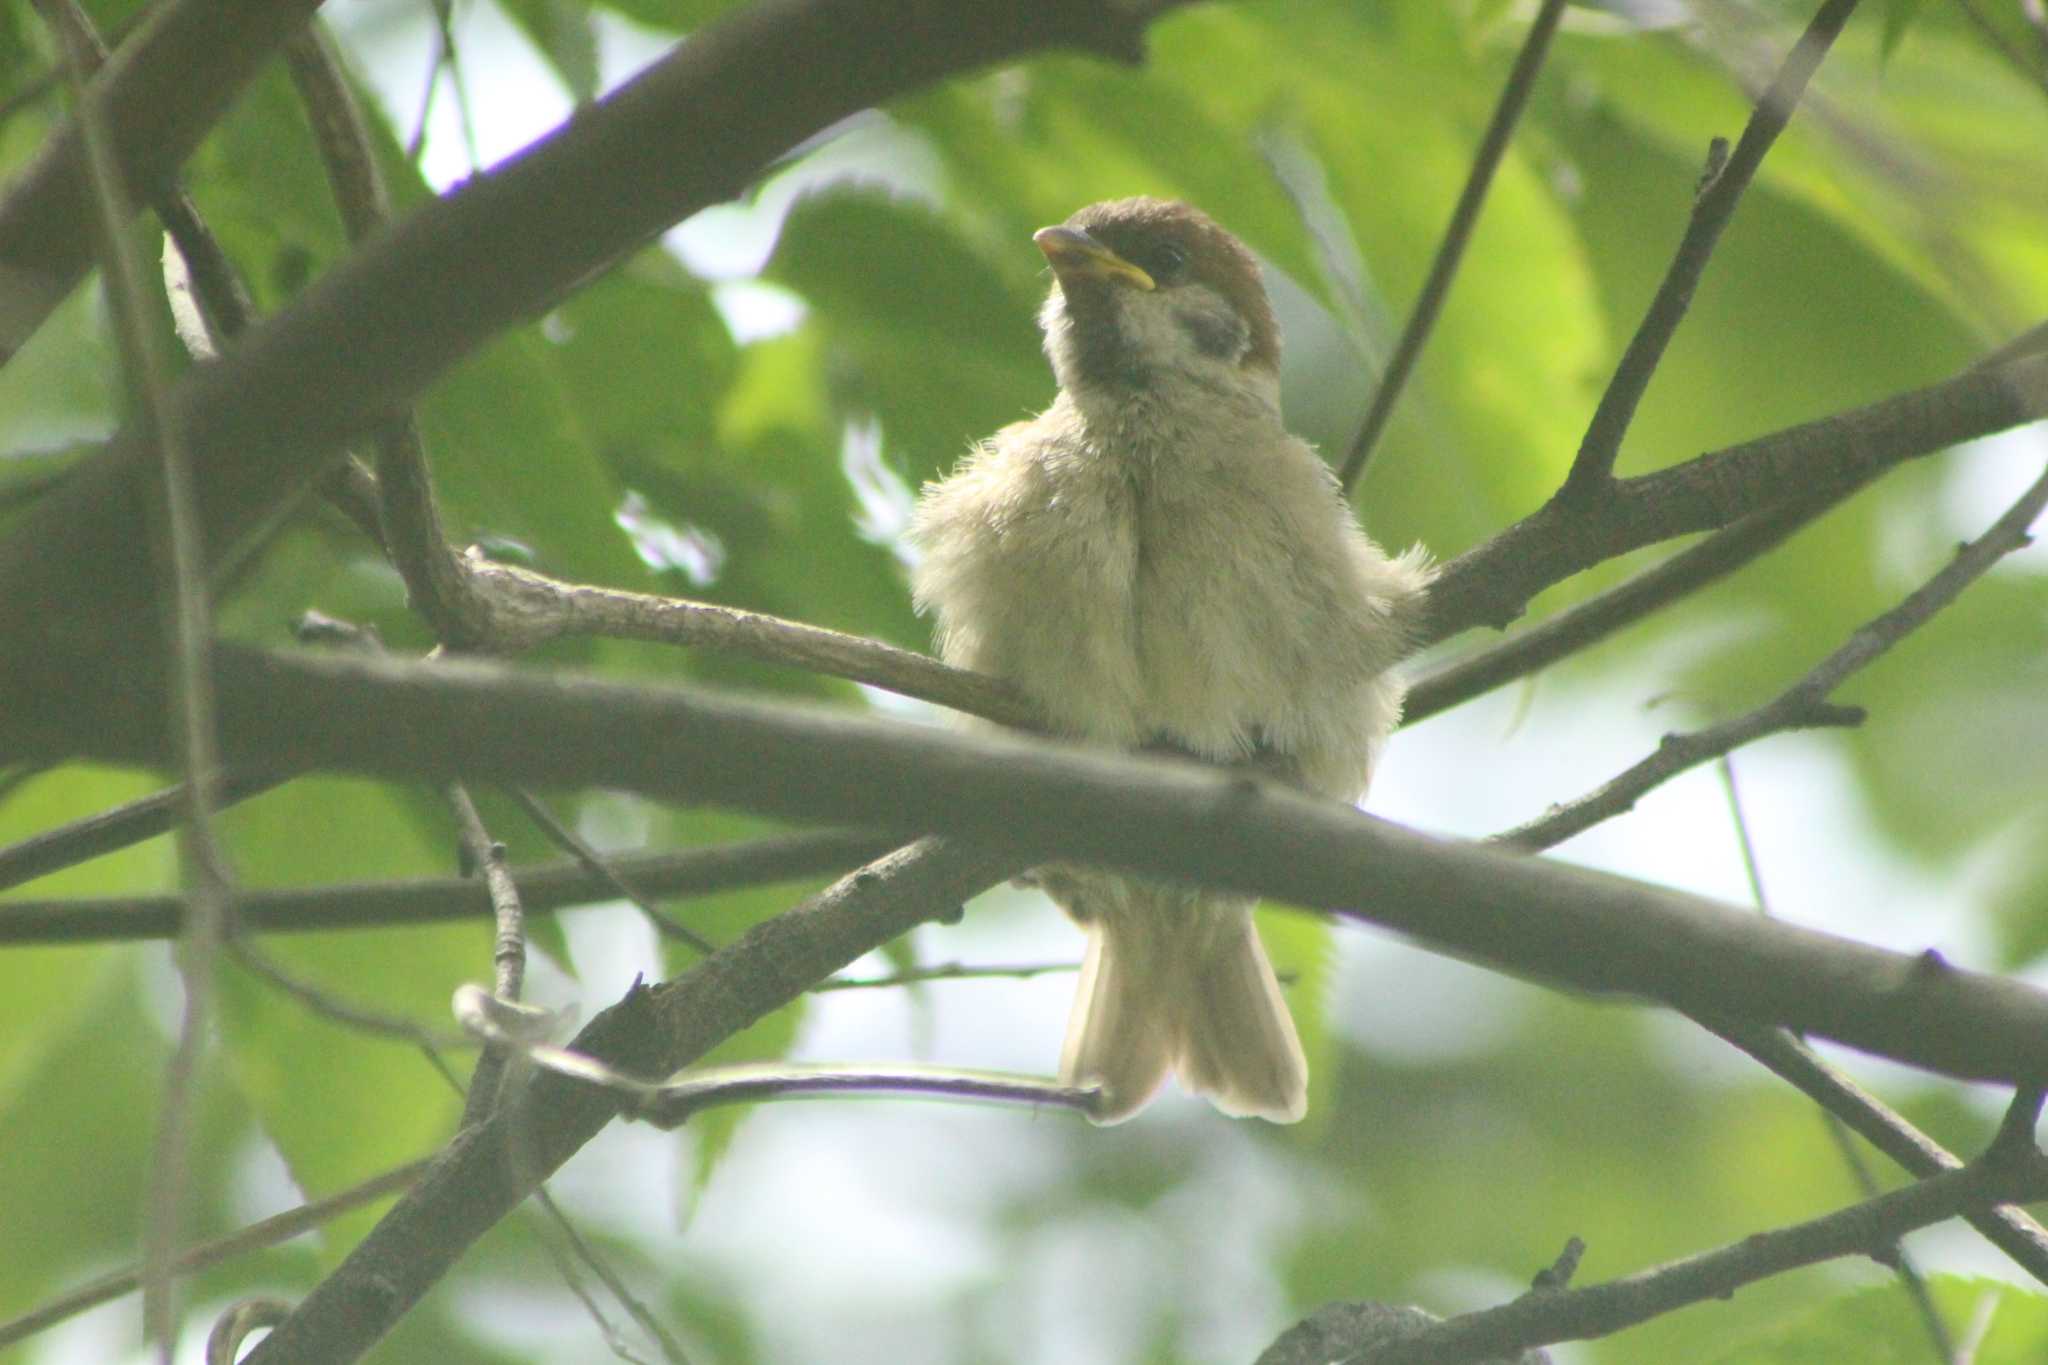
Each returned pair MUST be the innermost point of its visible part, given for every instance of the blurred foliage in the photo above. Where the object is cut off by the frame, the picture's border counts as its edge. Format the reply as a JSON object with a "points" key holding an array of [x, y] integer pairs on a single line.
{"points": [[652, 432], [1883, 1327]]}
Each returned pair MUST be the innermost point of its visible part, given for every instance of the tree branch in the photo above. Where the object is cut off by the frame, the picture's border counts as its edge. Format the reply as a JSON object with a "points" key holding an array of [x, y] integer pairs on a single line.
{"points": [[484, 858], [162, 89], [507, 609], [1593, 467], [2001, 1176], [1804, 704], [2009, 1229], [369, 905], [1493, 146], [269, 1232], [1492, 584], [267, 419], [1153, 816], [187, 624], [1584, 624], [652, 1033], [604, 869]]}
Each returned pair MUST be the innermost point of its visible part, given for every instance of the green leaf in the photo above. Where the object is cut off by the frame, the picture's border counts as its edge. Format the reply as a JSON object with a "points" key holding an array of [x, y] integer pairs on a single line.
{"points": [[924, 333], [681, 16], [1303, 951], [1882, 1326], [565, 33], [724, 918], [1898, 17], [644, 360], [42, 990], [78, 1129], [371, 1102], [58, 388], [2016, 901], [512, 461]]}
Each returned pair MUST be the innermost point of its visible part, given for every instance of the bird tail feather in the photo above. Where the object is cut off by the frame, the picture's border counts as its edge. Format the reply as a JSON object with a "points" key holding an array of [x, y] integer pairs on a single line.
{"points": [[1179, 982], [1240, 1047]]}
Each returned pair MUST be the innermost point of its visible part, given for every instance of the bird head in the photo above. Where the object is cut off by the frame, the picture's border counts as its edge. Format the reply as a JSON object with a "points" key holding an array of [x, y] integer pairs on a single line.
{"points": [[1149, 294]]}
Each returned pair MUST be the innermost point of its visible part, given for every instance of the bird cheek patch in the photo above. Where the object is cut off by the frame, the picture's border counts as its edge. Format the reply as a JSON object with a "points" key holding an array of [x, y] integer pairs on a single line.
{"points": [[1216, 333]]}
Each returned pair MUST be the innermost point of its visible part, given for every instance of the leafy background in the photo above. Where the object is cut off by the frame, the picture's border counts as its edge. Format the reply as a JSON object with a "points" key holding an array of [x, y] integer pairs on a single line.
{"points": [[740, 414]]}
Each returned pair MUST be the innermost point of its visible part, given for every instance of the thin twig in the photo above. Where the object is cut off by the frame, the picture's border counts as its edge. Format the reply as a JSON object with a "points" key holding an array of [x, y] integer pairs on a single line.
{"points": [[2014, 56], [269, 1232], [672, 1103], [522, 609], [348, 1013], [653, 1032], [565, 1263], [2006, 1173], [364, 905], [1450, 251], [414, 536], [2011, 1230], [1593, 467], [485, 857], [196, 261], [346, 154], [946, 971], [580, 1248], [1901, 1261], [1584, 624], [1803, 704], [679, 1100], [448, 59], [120, 827], [606, 871], [190, 628]]}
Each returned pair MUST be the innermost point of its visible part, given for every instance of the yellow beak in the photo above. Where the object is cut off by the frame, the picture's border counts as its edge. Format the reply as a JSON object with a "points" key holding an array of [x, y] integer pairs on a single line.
{"points": [[1074, 254]]}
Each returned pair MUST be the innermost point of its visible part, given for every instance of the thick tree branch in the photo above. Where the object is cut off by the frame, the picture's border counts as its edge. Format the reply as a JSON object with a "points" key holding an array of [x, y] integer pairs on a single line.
{"points": [[1154, 816], [653, 1033], [691, 130], [1492, 584], [162, 89]]}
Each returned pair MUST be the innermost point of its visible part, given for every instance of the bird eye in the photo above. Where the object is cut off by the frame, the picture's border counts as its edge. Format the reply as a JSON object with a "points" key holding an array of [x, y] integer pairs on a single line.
{"points": [[1168, 262]]}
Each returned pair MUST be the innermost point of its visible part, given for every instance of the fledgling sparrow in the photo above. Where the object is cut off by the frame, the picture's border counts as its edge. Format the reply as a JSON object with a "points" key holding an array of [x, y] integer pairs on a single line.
{"points": [[1156, 562]]}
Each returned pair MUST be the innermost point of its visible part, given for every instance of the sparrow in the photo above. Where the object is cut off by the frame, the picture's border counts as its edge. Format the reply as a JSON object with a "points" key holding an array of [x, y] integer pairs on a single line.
{"points": [[1157, 563]]}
